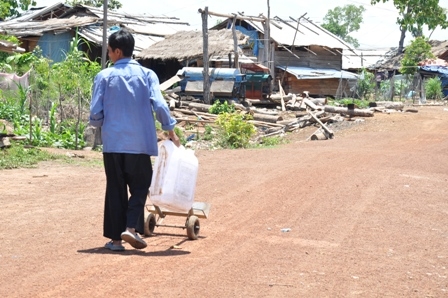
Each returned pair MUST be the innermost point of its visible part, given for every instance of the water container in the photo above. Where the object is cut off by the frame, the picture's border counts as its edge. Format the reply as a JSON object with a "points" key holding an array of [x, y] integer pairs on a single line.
{"points": [[174, 178]]}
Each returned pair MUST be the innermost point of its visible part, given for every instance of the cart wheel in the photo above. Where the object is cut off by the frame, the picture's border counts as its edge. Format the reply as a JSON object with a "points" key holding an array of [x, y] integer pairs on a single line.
{"points": [[193, 227], [150, 224]]}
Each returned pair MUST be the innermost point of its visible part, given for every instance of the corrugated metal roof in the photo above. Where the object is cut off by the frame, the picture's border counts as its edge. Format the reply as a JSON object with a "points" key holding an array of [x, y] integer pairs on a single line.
{"points": [[318, 73], [146, 29], [307, 34], [94, 34], [297, 33]]}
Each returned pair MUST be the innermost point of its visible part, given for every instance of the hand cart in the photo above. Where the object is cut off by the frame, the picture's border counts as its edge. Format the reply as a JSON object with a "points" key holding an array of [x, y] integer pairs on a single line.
{"points": [[156, 215]]}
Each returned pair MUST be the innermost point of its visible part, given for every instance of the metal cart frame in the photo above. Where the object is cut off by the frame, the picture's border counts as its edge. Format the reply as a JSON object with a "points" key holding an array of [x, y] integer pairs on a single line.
{"points": [[156, 215]]}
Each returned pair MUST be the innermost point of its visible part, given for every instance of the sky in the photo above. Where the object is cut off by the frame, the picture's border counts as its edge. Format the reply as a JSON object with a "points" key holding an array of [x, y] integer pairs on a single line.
{"points": [[378, 30]]}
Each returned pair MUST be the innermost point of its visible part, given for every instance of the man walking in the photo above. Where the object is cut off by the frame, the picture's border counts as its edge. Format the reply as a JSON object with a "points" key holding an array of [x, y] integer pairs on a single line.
{"points": [[125, 99]]}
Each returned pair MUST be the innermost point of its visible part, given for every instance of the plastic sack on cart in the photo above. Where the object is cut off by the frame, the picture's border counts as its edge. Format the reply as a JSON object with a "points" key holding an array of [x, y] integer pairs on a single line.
{"points": [[174, 178]]}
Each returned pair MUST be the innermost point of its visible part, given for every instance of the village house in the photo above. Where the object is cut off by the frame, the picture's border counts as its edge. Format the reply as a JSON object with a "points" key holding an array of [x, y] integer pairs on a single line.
{"points": [[390, 65], [301, 55], [52, 28]]}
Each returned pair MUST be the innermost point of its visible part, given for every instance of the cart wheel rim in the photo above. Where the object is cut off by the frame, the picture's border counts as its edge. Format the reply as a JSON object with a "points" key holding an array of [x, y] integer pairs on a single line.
{"points": [[193, 227]]}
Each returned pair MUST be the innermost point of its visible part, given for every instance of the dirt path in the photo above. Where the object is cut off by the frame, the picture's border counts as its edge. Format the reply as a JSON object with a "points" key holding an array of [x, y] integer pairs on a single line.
{"points": [[367, 213]]}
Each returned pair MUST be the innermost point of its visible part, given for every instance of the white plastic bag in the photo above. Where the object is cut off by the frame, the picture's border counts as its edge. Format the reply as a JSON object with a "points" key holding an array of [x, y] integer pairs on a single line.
{"points": [[174, 178]]}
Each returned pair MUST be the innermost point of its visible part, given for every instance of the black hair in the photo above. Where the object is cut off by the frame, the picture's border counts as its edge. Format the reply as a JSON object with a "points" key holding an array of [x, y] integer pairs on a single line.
{"points": [[123, 40]]}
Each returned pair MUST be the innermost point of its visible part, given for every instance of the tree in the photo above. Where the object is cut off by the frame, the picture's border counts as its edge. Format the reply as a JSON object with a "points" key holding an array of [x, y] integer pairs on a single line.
{"points": [[112, 4], [414, 14], [341, 21], [417, 51], [12, 8]]}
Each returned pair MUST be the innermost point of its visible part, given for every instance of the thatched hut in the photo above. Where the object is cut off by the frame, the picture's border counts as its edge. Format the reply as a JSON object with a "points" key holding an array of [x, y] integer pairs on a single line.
{"points": [[185, 48]]}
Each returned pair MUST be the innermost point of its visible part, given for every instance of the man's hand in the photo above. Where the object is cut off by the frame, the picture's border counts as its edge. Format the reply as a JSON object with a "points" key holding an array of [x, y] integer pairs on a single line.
{"points": [[174, 138]]}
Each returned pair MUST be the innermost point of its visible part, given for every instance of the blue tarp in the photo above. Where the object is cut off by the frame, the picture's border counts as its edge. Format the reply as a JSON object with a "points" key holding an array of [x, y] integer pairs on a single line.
{"points": [[442, 72], [253, 39]]}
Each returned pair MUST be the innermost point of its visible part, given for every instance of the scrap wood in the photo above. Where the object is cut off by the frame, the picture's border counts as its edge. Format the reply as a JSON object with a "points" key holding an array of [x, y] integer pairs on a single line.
{"points": [[302, 118], [189, 120], [329, 131], [279, 131], [201, 107], [278, 96], [240, 107], [282, 93], [259, 101], [264, 124], [198, 114], [319, 134], [267, 118], [263, 111], [311, 104]]}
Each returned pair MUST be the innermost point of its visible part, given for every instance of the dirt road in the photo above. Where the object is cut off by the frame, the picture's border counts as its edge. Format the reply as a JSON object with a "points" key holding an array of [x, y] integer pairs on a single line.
{"points": [[367, 213]]}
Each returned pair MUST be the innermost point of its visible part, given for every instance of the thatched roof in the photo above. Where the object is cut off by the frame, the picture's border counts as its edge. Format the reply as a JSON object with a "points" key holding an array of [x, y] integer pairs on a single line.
{"points": [[186, 45]]}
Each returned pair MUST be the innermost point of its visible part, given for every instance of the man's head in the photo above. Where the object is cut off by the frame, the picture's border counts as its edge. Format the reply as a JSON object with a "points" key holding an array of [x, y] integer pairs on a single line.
{"points": [[121, 45]]}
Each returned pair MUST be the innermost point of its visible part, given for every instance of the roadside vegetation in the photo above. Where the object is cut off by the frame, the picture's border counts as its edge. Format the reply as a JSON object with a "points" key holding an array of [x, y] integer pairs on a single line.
{"points": [[18, 156]]}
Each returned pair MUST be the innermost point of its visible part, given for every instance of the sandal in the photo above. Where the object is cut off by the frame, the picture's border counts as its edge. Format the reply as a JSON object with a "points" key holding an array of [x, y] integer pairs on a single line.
{"points": [[110, 245]]}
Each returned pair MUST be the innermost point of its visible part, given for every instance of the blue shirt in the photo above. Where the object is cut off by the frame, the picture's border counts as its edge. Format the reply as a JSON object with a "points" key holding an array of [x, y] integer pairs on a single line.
{"points": [[125, 98]]}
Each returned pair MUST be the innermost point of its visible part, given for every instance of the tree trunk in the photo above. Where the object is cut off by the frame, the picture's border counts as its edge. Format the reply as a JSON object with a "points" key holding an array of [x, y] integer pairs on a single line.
{"points": [[401, 43], [267, 118], [390, 105], [354, 112], [403, 32], [201, 107]]}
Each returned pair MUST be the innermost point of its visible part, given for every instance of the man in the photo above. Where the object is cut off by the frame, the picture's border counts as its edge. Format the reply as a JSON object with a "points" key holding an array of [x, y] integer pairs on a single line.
{"points": [[125, 99]]}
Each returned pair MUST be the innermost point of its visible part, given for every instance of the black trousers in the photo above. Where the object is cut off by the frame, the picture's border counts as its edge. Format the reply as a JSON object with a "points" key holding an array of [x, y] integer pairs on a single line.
{"points": [[125, 171]]}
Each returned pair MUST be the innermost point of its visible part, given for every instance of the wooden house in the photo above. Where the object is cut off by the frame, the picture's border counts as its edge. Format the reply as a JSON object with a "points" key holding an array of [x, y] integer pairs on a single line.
{"points": [[301, 55], [52, 28]]}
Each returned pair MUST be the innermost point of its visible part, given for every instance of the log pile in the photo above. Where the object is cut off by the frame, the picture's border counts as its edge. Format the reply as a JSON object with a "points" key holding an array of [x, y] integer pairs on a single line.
{"points": [[295, 112]]}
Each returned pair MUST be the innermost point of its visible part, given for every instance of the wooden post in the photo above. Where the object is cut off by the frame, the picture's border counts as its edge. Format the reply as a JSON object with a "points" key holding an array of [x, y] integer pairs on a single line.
{"points": [[266, 39], [235, 45], [205, 72], [104, 47]]}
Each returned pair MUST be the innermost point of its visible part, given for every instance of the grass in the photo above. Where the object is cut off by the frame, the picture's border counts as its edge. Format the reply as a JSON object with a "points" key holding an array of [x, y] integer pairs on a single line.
{"points": [[17, 156]]}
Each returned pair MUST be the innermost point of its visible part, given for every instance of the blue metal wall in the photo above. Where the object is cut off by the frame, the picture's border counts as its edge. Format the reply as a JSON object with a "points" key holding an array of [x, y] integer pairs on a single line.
{"points": [[54, 46]]}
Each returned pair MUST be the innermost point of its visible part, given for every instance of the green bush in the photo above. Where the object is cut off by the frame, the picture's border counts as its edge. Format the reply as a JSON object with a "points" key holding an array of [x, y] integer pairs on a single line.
{"points": [[366, 84], [234, 130], [346, 101], [219, 108], [433, 88]]}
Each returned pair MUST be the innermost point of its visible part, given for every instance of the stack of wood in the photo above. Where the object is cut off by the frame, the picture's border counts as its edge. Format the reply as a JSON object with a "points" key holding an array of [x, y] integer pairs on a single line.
{"points": [[296, 113]]}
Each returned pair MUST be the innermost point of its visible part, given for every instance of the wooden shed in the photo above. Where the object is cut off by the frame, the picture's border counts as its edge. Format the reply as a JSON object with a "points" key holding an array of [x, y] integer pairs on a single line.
{"points": [[301, 55]]}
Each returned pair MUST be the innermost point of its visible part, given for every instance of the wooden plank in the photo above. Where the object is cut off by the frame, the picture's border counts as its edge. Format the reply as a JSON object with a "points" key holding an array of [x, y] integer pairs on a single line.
{"points": [[170, 82]]}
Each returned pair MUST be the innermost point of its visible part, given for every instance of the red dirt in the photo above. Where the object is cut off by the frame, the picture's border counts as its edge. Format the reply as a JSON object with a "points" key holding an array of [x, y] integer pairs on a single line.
{"points": [[367, 213]]}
